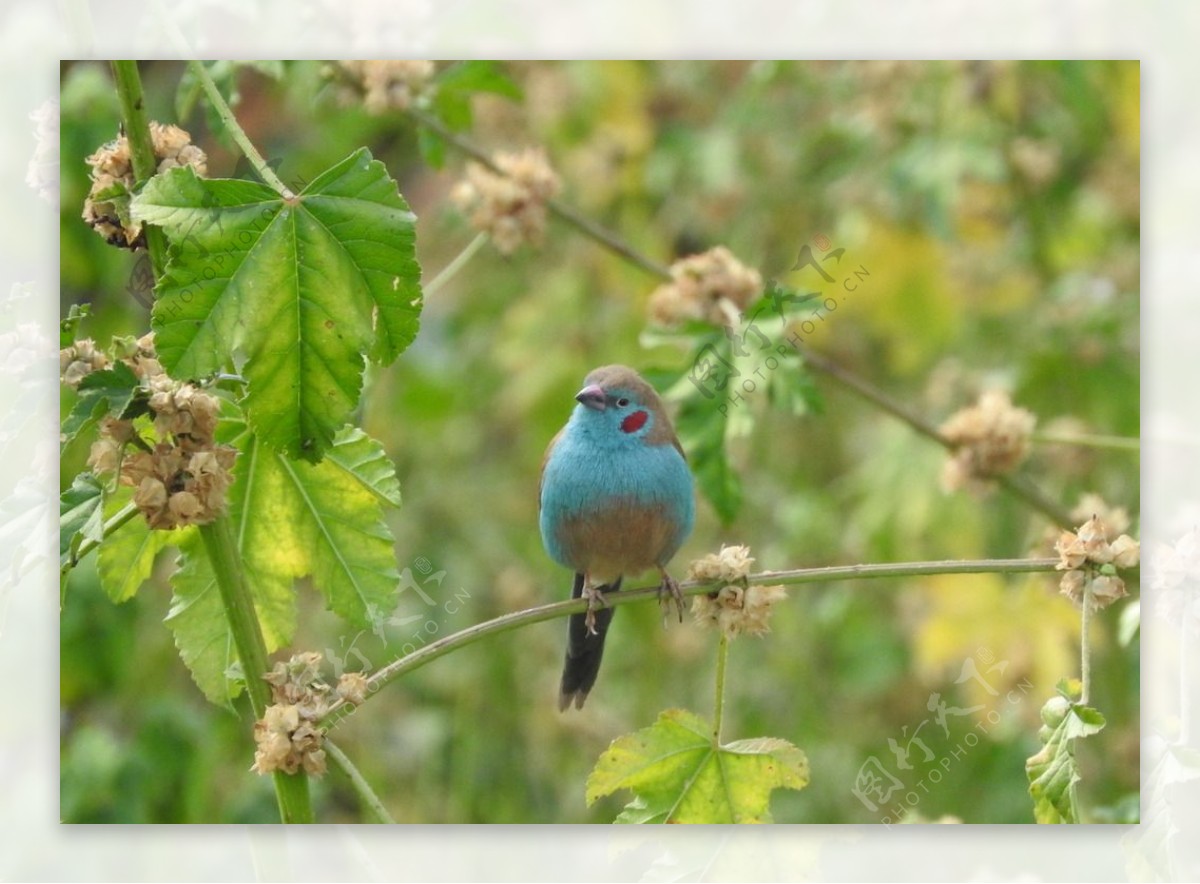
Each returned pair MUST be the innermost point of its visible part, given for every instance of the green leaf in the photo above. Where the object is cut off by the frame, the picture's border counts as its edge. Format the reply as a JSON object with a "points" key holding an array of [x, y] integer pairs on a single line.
{"points": [[477, 76], [119, 196], [326, 521], [126, 558], [104, 393], [202, 635], [432, 148], [791, 387], [702, 427], [1053, 773], [292, 519], [457, 83], [303, 288], [677, 775], [80, 516]]}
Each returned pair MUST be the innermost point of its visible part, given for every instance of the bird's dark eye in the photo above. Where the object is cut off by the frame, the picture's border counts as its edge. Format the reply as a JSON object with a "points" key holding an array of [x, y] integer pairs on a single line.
{"points": [[622, 402]]}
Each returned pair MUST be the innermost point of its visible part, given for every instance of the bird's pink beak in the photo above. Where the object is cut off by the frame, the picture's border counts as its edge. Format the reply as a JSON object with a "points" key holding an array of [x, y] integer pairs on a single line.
{"points": [[593, 397]]}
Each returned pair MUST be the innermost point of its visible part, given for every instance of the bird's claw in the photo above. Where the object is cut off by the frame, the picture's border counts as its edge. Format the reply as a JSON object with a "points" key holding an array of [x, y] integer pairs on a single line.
{"points": [[595, 599], [668, 592]]}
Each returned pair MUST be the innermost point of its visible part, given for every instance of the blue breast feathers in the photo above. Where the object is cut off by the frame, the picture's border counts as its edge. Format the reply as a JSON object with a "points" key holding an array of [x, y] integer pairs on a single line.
{"points": [[581, 478]]}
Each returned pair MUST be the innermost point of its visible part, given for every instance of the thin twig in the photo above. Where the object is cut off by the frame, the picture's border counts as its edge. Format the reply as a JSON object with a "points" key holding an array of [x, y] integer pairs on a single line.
{"points": [[115, 521], [564, 211], [1085, 648], [265, 172], [517, 619], [1018, 485], [1089, 440], [361, 787], [450, 270]]}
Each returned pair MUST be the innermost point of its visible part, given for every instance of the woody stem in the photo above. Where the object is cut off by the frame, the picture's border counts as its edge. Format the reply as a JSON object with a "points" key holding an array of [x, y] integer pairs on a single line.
{"points": [[507, 622]]}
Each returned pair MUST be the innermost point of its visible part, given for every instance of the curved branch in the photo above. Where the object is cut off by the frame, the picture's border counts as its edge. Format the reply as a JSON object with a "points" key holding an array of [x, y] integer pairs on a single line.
{"points": [[564, 211], [506, 622], [1015, 484]]}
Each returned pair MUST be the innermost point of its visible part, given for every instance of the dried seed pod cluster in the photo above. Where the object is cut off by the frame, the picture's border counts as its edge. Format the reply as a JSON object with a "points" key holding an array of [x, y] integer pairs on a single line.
{"points": [[713, 287], [388, 84], [509, 206], [990, 438], [289, 736], [1090, 555], [736, 607], [183, 478], [106, 207]]}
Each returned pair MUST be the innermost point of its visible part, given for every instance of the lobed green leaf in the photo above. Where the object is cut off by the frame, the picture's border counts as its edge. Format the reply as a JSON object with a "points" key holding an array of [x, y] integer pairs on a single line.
{"points": [[678, 775], [292, 519], [302, 289]]}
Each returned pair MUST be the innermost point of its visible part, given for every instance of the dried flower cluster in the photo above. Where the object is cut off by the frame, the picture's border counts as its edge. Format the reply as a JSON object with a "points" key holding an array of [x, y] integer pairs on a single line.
{"points": [[736, 607], [511, 206], [388, 84], [990, 438], [79, 360], [1091, 555], [183, 478], [713, 287], [1114, 519], [1038, 161], [113, 179], [288, 735]]}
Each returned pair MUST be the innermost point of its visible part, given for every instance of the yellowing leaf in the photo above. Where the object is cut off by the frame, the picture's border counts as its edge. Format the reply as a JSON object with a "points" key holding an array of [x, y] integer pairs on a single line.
{"points": [[292, 519], [126, 558], [678, 775]]}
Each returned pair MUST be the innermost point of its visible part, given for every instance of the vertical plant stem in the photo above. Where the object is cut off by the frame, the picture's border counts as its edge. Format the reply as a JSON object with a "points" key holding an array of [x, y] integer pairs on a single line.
{"points": [[363, 789], [291, 790], [141, 149], [1085, 648], [237, 132], [719, 706]]}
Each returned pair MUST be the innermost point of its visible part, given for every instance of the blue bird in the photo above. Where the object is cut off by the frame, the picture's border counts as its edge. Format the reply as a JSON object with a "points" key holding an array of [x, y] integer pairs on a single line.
{"points": [[616, 498]]}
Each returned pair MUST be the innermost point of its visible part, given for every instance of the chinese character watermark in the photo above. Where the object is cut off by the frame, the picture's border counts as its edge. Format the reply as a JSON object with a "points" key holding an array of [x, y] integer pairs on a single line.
{"points": [[733, 379], [875, 784], [349, 656]]}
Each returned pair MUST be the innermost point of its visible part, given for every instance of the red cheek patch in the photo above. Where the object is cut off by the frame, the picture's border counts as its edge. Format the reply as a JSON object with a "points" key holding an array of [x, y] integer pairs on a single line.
{"points": [[635, 422]]}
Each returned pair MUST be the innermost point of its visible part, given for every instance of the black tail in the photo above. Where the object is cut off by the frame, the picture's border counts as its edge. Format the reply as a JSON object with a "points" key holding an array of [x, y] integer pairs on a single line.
{"points": [[583, 650]]}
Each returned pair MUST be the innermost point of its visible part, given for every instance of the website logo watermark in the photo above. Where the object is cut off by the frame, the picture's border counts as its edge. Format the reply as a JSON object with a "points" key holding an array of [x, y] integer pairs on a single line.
{"points": [[878, 786], [733, 379]]}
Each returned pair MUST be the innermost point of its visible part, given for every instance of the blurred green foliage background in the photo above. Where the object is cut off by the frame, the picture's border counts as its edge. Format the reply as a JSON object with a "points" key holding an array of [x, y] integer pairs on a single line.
{"points": [[996, 206]]}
